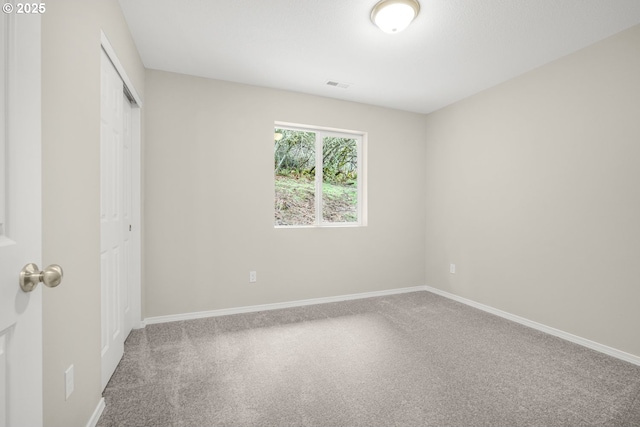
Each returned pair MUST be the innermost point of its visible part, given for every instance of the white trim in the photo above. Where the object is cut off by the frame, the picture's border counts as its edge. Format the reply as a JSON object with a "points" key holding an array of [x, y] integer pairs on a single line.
{"points": [[276, 306], [319, 178], [316, 128], [136, 210], [619, 354], [363, 161], [95, 417], [111, 53]]}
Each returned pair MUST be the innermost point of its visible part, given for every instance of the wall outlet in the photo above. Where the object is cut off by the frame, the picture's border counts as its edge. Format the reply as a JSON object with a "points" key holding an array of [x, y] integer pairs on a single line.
{"points": [[69, 380], [253, 277], [452, 268]]}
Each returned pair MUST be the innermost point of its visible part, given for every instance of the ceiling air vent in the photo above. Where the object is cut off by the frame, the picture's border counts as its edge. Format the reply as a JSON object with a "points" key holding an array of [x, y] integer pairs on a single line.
{"points": [[337, 84]]}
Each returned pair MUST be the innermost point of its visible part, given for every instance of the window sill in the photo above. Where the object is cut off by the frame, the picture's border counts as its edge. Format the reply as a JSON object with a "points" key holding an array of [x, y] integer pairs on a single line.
{"points": [[340, 225]]}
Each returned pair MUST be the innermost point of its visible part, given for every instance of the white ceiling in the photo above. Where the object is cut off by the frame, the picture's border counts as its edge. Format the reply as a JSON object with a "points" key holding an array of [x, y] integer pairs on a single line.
{"points": [[453, 49]]}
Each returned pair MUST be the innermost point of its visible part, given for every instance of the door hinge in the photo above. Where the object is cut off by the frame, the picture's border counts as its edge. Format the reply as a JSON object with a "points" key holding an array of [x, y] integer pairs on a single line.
{"points": [[129, 227]]}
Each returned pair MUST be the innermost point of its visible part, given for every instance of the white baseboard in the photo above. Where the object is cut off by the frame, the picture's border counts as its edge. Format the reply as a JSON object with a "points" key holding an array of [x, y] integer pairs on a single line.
{"points": [[276, 306], [627, 357], [139, 325], [523, 321], [93, 421]]}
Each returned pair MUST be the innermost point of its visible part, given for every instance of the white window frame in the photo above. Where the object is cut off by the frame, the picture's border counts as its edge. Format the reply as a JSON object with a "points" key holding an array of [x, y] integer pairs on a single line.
{"points": [[361, 147]]}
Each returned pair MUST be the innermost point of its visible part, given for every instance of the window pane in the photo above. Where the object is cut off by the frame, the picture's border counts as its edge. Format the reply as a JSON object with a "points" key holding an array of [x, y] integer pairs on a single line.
{"points": [[294, 161], [339, 180]]}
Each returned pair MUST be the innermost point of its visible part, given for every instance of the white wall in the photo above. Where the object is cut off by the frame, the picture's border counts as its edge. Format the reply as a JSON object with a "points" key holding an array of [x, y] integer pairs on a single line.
{"points": [[209, 200], [533, 191], [71, 189]]}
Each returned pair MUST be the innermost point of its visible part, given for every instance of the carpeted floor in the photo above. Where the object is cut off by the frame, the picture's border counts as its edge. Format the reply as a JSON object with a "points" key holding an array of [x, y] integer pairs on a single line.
{"points": [[413, 359]]}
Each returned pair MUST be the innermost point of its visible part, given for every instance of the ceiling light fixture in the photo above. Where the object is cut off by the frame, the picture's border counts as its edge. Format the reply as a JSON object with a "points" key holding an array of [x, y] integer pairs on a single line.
{"points": [[393, 16]]}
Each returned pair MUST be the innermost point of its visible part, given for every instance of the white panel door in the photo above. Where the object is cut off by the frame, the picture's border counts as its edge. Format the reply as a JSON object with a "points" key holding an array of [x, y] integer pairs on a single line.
{"points": [[112, 222], [127, 215], [20, 221]]}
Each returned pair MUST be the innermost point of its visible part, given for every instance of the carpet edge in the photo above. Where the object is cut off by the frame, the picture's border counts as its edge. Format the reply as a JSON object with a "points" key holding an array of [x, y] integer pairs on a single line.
{"points": [[276, 306]]}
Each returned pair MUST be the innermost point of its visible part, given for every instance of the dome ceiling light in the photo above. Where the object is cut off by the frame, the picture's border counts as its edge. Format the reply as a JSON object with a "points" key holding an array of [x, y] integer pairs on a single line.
{"points": [[393, 16]]}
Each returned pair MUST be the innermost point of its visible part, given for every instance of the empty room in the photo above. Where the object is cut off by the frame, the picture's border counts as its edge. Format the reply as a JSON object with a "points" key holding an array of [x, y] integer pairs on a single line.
{"points": [[320, 213]]}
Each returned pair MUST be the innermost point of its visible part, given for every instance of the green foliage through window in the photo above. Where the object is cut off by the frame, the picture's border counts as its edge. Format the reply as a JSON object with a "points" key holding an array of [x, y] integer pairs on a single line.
{"points": [[299, 175]]}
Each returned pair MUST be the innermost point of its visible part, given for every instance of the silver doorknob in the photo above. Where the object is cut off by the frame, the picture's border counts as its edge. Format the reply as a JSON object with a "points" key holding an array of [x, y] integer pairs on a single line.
{"points": [[31, 275]]}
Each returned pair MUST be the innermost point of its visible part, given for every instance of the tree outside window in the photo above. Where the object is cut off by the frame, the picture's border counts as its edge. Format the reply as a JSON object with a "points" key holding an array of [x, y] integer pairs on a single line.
{"points": [[317, 177]]}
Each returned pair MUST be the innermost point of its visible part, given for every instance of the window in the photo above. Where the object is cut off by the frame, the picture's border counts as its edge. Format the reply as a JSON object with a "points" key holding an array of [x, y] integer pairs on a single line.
{"points": [[318, 176]]}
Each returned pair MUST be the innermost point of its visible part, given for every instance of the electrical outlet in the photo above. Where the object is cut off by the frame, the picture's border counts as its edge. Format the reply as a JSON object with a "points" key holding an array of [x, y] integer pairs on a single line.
{"points": [[253, 278], [452, 268], [69, 381]]}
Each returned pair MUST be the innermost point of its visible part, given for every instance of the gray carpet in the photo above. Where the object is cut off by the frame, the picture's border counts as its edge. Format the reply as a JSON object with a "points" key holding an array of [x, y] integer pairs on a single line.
{"points": [[413, 359]]}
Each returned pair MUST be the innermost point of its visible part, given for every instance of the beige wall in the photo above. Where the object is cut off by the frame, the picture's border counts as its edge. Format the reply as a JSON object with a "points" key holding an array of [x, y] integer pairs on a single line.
{"points": [[533, 192], [531, 189], [209, 200], [71, 188]]}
